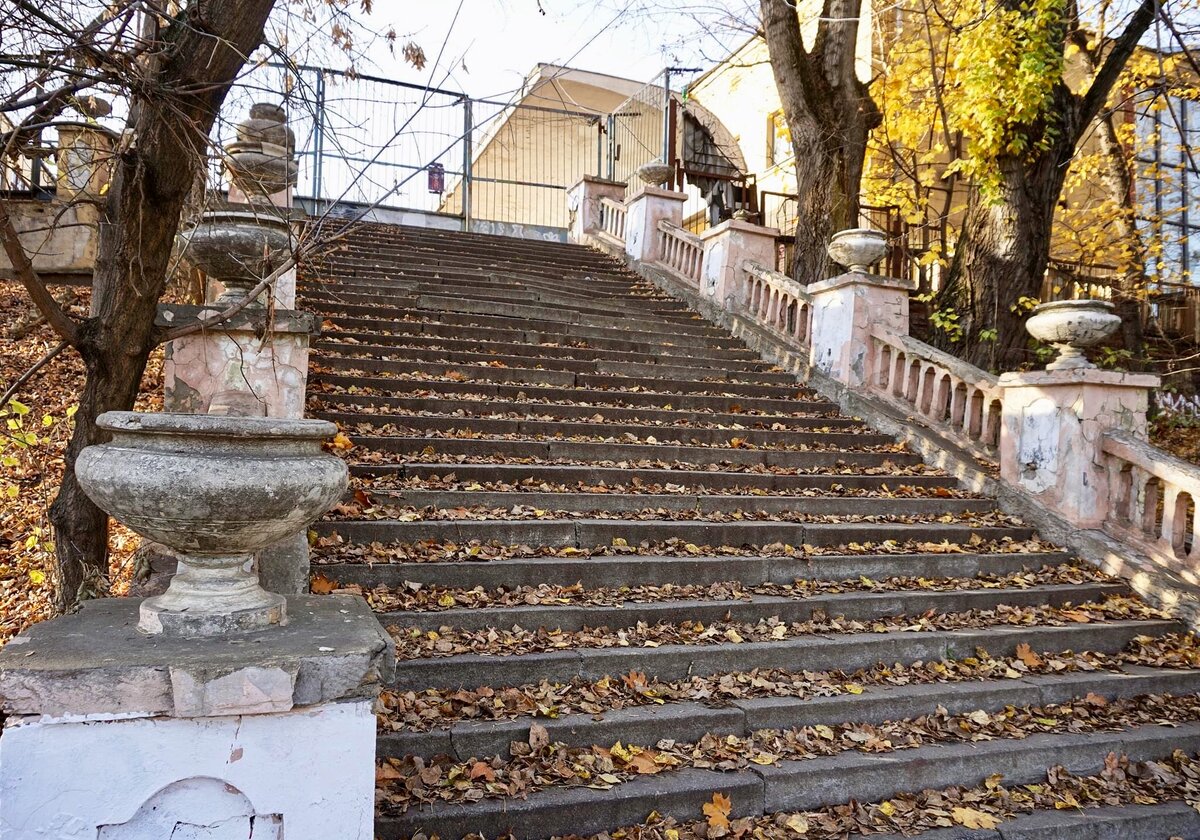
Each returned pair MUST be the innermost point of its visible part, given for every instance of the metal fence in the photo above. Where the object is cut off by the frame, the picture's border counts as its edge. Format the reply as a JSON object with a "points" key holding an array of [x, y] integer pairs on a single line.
{"points": [[368, 140]]}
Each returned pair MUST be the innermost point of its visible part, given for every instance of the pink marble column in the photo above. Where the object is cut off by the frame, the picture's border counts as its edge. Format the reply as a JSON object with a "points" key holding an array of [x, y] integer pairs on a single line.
{"points": [[844, 311], [1050, 435], [726, 247], [583, 205], [646, 208]]}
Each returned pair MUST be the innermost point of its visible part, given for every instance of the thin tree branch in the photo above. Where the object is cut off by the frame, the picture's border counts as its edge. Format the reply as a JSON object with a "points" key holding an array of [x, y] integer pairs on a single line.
{"points": [[23, 266], [29, 374], [225, 315], [1114, 62]]}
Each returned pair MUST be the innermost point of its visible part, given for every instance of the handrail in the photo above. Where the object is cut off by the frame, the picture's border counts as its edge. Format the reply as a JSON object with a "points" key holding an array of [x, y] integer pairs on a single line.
{"points": [[680, 251], [776, 301], [945, 391], [1155, 497]]}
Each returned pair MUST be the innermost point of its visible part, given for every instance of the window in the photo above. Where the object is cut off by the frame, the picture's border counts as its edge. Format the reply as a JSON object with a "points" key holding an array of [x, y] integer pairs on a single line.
{"points": [[1168, 186], [779, 139]]}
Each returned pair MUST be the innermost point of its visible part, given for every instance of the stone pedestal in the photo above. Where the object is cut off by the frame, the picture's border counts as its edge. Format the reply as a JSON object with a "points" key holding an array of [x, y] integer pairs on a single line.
{"points": [[844, 311], [726, 247], [268, 372], [1050, 435], [583, 205], [646, 208], [241, 354], [115, 735]]}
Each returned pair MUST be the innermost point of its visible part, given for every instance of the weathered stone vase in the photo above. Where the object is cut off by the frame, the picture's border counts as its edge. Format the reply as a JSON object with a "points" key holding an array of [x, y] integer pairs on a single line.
{"points": [[1072, 326], [655, 174], [216, 490], [857, 249], [238, 248], [260, 160]]}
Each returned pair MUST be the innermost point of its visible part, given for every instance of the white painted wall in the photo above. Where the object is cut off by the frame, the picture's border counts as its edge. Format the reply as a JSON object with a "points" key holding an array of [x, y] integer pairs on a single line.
{"points": [[303, 775]]}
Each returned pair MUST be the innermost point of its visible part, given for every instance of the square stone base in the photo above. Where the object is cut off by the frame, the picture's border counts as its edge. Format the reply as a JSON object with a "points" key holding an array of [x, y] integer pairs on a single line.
{"points": [[307, 774], [115, 735]]}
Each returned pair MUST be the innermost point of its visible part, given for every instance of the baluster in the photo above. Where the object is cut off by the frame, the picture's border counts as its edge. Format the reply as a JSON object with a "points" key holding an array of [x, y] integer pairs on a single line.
{"points": [[1170, 535]]}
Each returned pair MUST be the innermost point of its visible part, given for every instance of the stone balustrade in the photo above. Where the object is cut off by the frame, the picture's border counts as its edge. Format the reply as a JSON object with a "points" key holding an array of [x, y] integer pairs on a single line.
{"points": [[612, 220], [946, 392], [776, 301], [682, 252], [1154, 502], [1070, 441]]}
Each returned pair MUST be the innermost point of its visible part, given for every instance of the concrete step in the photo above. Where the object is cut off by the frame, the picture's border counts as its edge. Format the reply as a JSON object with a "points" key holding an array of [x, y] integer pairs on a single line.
{"points": [[589, 533], [846, 652], [619, 431], [659, 417], [334, 339], [801, 400], [335, 349], [709, 479], [793, 785], [633, 502], [668, 453], [640, 570], [690, 721], [450, 325], [853, 606]]}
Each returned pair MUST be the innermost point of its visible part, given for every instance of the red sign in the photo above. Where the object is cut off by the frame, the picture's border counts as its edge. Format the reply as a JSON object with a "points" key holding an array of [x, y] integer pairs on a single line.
{"points": [[437, 178]]}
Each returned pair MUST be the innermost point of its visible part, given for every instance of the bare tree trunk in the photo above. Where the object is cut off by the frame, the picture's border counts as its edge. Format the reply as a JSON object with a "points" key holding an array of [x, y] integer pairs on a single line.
{"points": [[201, 53], [829, 114]]}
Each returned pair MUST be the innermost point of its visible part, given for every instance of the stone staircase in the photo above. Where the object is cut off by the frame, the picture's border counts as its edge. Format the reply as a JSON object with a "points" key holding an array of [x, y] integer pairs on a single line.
{"points": [[631, 570]]}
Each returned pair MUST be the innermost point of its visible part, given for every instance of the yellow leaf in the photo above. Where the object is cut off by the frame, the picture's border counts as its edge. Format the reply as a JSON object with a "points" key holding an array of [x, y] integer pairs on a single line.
{"points": [[854, 688], [446, 600], [972, 818], [340, 441], [37, 577], [797, 823], [717, 811], [887, 808]]}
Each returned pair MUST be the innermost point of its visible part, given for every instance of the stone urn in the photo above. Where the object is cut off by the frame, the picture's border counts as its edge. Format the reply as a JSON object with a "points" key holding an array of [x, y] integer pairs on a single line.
{"points": [[655, 173], [1072, 326], [857, 249], [260, 160], [216, 490], [238, 248]]}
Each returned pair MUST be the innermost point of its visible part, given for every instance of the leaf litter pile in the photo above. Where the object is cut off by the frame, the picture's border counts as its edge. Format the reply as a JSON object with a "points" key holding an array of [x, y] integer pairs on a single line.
{"points": [[415, 597], [539, 764], [984, 806], [416, 643], [440, 708], [333, 548], [36, 428]]}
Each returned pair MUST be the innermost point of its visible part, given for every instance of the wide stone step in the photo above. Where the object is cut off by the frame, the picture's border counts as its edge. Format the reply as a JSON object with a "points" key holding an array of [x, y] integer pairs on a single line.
{"points": [[846, 652], [853, 606], [631, 502], [441, 324], [365, 404], [384, 306], [668, 453], [386, 279], [568, 428], [342, 350], [793, 785], [494, 349], [640, 570], [690, 721], [800, 401], [589, 533]]}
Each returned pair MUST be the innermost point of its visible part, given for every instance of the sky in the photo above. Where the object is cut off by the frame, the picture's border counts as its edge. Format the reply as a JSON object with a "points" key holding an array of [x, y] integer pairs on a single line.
{"points": [[494, 44]]}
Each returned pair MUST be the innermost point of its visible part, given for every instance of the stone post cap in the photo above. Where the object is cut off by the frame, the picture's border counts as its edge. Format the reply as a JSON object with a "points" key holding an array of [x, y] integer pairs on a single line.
{"points": [[1079, 376], [739, 225], [858, 278], [596, 179], [95, 662], [647, 191]]}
